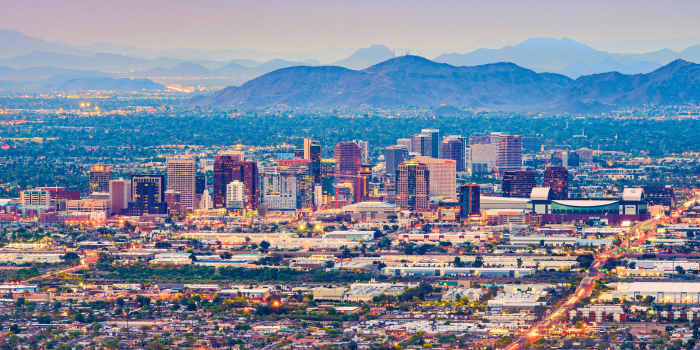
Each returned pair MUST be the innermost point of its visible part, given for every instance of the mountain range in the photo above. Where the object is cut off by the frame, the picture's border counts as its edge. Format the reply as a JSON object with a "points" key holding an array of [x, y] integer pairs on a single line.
{"points": [[416, 81]]}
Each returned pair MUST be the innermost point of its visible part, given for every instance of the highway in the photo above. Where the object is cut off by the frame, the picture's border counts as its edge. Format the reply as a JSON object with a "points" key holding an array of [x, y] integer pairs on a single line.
{"points": [[585, 288], [84, 262]]}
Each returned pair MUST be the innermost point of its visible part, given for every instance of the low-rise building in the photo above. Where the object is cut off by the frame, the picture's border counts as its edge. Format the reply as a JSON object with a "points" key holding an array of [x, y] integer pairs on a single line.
{"points": [[662, 292], [455, 294], [457, 271], [172, 258], [599, 313], [329, 294], [517, 300]]}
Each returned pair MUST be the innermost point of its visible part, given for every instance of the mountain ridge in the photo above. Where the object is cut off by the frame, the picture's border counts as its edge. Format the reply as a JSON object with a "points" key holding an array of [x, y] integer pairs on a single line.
{"points": [[415, 81]]}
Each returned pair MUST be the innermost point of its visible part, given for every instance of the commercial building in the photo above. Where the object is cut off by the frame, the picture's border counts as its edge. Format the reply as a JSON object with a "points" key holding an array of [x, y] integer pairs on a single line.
{"points": [[99, 176], [172, 258], [662, 292], [98, 209], [35, 197], [148, 195], [393, 156], [235, 195], [661, 195], [279, 191], [509, 152], [452, 148], [174, 200], [200, 184], [479, 140], [303, 190], [537, 241], [329, 294], [442, 174], [457, 271], [247, 173], [328, 177], [517, 300], [372, 211], [557, 179], [348, 157], [223, 175], [413, 186], [456, 294], [469, 200], [119, 195], [60, 193], [630, 207], [350, 235], [484, 158], [518, 183], [365, 292], [206, 202], [181, 178]]}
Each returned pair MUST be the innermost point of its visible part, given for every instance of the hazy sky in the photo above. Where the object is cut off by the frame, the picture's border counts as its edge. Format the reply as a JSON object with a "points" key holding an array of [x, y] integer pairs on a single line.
{"points": [[280, 25]]}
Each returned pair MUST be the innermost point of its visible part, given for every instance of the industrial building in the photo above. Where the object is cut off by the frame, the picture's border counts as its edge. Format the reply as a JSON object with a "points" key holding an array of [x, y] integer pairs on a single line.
{"points": [[457, 271], [517, 300], [662, 292], [455, 294]]}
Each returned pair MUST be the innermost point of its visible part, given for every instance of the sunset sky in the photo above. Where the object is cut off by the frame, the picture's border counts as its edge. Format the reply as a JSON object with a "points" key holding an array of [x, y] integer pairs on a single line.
{"points": [[281, 25]]}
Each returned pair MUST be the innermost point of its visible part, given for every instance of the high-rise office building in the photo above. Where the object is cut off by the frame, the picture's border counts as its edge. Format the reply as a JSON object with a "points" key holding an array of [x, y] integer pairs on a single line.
{"points": [[247, 173], [557, 179], [223, 175], [182, 173], [148, 195], [443, 176], [348, 158], [200, 184], [509, 152], [532, 143], [303, 181], [364, 150], [452, 148], [328, 176], [100, 175], [235, 195], [405, 143], [427, 143], [469, 200], [422, 144], [307, 147], [479, 140], [279, 191], [119, 195], [483, 157], [156, 180], [434, 142], [393, 156], [518, 183], [412, 186], [314, 160], [174, 200]]}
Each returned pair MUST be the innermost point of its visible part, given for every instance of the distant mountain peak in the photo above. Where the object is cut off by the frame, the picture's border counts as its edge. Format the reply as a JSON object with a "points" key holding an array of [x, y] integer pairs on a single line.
{"points": [[366, 57]]}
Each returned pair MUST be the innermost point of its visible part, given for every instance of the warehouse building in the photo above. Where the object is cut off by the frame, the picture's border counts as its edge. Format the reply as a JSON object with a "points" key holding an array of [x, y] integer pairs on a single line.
{"points": [[457, 271], [662, 292]]}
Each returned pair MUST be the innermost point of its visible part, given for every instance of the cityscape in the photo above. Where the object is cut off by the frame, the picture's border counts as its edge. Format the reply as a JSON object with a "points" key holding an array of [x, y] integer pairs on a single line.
{"points": [[522, 194]]}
